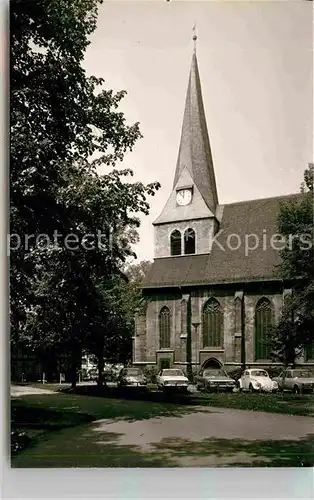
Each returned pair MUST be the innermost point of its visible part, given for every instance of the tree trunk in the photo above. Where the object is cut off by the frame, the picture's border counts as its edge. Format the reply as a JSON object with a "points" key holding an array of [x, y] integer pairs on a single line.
{"points": [[73, 376], [100, 367], [74, 367]]}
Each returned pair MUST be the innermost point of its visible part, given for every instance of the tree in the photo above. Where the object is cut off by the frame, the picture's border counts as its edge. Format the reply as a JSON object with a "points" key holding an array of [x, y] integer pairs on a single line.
{"points": [[113, 324], [111, 327], [136, 272], [295, 331], [64, 126], [121, 298]]}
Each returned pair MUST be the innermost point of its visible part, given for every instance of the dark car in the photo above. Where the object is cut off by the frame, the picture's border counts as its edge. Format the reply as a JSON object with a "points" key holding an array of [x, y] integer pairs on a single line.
{"points": [[210, 379], [132, 378]]}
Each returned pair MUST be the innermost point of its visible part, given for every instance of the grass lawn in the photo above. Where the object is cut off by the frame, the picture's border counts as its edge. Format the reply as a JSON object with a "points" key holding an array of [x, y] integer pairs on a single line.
{"points": [[58, 425], [273, 403], [61, 432], [270, 453]]}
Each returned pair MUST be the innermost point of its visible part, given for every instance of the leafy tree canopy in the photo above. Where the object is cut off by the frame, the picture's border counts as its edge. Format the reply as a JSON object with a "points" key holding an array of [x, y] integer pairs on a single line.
{"points": [[64, 126], [295, 330]]}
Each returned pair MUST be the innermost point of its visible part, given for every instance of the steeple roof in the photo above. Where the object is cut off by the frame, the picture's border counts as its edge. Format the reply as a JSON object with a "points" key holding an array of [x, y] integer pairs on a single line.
{"points": [[194, 151]]}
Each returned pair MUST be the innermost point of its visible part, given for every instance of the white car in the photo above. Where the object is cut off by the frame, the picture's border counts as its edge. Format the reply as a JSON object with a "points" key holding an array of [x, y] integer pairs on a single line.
{"points": [[257, 380], [172, 379]]}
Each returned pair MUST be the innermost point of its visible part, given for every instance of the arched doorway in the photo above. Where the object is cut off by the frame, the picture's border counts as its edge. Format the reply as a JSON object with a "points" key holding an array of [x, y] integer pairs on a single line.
{"points": [[212, 363]]}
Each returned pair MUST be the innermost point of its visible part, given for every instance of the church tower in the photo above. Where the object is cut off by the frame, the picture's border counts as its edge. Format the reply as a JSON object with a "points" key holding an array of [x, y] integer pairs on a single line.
{"points": [[205, 304], [188, 221]]}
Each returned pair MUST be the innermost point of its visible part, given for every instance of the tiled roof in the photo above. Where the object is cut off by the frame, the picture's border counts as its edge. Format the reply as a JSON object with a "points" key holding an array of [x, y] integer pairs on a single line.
{"points": [[229, 264]]}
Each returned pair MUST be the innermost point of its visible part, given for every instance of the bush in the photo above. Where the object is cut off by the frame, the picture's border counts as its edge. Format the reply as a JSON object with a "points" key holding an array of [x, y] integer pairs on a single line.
{"points": [[150, 373], [274, 371], [19, 440], [235, 373], [110, 375]]}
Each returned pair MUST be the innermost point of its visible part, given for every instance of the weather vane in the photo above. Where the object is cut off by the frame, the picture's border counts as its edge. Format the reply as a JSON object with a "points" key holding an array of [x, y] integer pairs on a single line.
{"points": [[194, 36]]}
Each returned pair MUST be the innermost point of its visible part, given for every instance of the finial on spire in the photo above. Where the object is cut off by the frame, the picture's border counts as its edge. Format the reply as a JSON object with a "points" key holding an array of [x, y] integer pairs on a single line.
{"points": [[194, 36]]}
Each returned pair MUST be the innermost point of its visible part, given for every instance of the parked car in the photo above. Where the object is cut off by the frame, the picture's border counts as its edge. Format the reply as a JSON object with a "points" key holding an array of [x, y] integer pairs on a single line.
{"points": [[257, 380], [132, 378], [172, 379], [296, 380], [209, 379]]}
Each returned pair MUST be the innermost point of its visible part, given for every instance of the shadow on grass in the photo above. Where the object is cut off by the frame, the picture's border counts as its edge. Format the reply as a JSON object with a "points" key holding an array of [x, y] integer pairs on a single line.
{"points": [[43, 416], [277, 403], [132, 394], [270, 453], [81, 447], [78, 447], [46, 417]]}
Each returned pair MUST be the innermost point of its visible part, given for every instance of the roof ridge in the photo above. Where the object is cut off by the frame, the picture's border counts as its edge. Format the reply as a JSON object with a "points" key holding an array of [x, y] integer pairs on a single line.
{"points": [[260, 199]]}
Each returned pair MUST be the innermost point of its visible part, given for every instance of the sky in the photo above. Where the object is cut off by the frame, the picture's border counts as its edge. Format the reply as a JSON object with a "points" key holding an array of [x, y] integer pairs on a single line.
{"points": [[256, 68]]}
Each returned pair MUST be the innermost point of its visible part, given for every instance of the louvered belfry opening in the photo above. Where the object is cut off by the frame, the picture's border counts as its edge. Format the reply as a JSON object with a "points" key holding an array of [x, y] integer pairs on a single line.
{"points": [[164, 328], [175, 243], [189, 241], [263, 325], [212, 324]]}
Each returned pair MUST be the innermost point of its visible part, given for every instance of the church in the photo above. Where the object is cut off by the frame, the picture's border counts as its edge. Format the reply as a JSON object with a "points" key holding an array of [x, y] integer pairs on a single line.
{"points": [[214, 289]]}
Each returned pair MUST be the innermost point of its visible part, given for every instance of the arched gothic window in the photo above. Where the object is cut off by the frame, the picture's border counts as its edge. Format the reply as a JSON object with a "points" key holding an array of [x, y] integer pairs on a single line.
{"points": [[164, 328], [189, 241], [237, 311], [263, 325], [212, 324], [175, 242]]}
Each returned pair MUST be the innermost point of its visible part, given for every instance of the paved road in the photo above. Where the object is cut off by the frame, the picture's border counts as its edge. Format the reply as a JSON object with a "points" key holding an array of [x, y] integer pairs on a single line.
{"points": [[214, 422]]}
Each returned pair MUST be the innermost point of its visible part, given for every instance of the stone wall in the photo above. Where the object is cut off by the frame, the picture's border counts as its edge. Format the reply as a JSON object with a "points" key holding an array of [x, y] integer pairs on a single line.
{"points": [[250, 302], [146, 342], [204, 230]]}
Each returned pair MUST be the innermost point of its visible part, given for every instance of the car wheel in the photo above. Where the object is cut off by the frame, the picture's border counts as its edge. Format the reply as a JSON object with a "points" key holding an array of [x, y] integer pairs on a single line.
{"points": [[296, 390], [251, 388]]}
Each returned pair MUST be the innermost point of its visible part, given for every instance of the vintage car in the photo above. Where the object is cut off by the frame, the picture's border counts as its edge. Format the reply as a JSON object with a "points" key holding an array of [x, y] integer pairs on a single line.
{"points": [[212, 379], [257, 380], [172, 379], [297, 380], [132, 378]]}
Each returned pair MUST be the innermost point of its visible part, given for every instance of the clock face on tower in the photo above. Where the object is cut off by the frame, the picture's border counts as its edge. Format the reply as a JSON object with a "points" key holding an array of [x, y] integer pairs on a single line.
{"points": [[184, 196]]}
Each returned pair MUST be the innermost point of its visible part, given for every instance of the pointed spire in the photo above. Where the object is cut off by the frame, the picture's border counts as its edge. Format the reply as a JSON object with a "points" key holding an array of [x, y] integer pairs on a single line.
{"points": [[194, 151]]}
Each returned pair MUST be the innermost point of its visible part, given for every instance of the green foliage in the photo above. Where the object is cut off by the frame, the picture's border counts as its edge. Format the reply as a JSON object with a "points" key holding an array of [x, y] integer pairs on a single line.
{"points": [[19, 441], [151, 373], [295, 330], [64, 127]]}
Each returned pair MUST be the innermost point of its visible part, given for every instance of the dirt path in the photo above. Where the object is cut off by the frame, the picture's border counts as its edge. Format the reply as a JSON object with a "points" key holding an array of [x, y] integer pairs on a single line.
{"points": [[24, 390]]}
